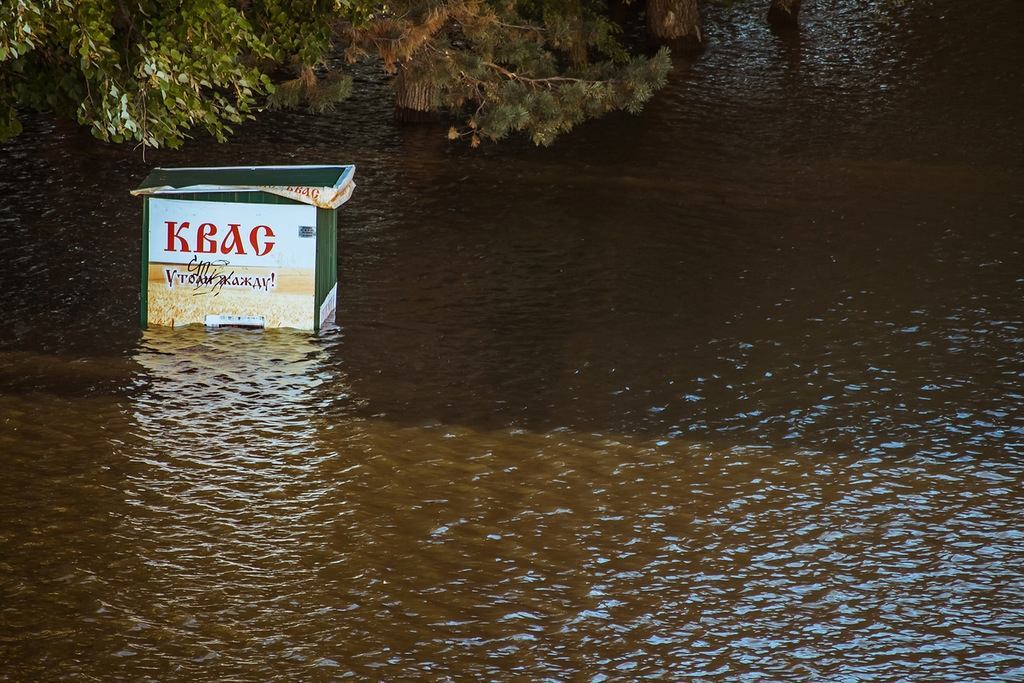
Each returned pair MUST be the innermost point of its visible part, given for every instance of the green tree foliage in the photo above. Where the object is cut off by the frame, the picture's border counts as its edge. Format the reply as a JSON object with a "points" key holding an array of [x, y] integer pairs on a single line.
{"points": [[538, 66], [147, 75], [152, 71], [300, 35]]}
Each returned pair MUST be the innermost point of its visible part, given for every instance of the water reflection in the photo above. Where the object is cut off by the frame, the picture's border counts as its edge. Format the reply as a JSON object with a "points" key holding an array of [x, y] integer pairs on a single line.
{"points": [[224, 513]]}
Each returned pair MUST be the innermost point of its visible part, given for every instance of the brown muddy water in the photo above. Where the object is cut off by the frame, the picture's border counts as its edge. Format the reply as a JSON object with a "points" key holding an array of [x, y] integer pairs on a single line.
{"points": [[730, 391]]}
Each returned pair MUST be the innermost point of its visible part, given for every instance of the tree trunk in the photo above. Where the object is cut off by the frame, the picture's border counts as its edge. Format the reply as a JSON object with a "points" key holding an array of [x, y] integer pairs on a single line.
{"points": [[783, 13], [676, 22], [578, 56], [415, 100]]}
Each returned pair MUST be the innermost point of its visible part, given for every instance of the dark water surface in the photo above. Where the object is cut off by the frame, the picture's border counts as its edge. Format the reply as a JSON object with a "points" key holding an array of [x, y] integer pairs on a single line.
{"points": [[731, 390]]}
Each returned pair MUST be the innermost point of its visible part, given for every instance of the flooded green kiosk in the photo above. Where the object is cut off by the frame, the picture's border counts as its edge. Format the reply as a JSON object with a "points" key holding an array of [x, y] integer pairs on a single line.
{"points": [[242, 246]]}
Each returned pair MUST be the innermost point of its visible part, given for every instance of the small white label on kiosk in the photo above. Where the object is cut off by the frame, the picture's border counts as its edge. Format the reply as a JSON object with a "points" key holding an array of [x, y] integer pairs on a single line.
{"points": [[252, 321]]}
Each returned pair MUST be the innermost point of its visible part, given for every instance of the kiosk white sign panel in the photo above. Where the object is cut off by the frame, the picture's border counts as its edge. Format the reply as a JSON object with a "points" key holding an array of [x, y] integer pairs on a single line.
{"points": [[233, 260]]}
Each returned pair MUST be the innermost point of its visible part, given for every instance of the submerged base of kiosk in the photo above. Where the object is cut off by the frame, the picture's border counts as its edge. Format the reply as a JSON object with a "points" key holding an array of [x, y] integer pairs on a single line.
{"points": [[248, 322]]}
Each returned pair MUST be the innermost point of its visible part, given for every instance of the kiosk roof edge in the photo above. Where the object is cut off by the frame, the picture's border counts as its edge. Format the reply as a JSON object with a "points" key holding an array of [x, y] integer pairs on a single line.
{"points": [[327, 187], [228, 177]]}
